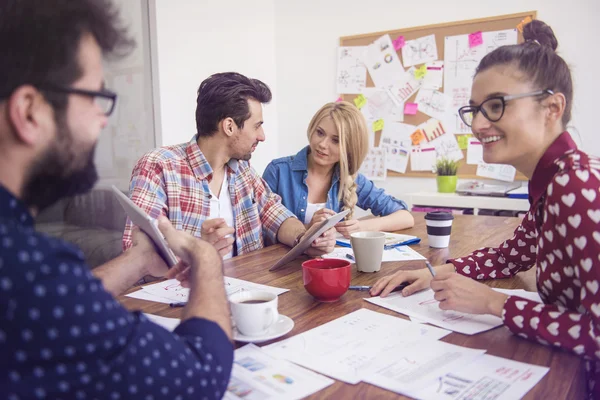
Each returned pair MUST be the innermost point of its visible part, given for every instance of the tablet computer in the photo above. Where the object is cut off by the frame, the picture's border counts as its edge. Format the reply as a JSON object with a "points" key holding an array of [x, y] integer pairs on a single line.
{"points": [[311, 234], [148, 225]]}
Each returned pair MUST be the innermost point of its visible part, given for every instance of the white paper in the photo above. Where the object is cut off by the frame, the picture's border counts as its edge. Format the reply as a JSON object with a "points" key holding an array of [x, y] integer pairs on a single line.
{"points": [[171, 291], [434, 78], [401, 253], [396, 157], [419, 51], [390, 238], [344, 347], [435, 104], [381, 105], [502, 172], [405, 87], [422, 158], [447, 146], [432, 129], [486, 377], [373, 167], [397, 133], [423, 306], [351, 72], [474, 152], [408, 369], [383, 63], [168, 323], [256, 376]]}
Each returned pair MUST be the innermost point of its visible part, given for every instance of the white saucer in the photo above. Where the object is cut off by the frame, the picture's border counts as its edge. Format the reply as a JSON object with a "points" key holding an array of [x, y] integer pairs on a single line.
{"points": [[281, 327]]}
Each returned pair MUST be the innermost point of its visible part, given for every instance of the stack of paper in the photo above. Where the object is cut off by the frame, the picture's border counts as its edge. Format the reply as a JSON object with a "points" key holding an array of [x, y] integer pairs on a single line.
{"points": [[401, 253]]}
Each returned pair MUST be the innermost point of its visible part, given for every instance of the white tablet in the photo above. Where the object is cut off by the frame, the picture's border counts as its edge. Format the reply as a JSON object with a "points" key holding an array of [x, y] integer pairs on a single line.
{"points": [[311, 234], [148, 225]]}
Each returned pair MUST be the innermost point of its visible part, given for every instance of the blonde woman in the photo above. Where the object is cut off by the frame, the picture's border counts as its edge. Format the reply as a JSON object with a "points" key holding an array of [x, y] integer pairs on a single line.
{"points": [[323, 177]]}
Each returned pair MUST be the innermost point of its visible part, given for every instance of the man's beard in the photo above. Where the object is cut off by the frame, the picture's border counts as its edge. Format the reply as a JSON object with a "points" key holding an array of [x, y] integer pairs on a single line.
{"points": [[53, 177]]}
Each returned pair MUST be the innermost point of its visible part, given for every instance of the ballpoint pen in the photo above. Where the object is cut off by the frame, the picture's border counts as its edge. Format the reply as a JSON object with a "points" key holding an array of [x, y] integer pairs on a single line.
{"points": [[179, 304], [399, 243], [430, 268], [367, 288], [350, 257]]}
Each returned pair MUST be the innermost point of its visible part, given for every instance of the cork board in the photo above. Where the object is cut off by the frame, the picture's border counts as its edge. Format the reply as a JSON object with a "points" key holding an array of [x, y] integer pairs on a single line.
{"points": [[496, 23]]}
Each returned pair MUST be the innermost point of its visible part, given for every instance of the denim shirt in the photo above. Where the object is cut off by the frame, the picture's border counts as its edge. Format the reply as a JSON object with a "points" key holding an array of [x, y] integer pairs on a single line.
{"points": [[287, 177]]}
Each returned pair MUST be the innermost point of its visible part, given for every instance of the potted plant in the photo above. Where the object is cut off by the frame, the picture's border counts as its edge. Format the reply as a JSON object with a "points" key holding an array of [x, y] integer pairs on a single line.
{"points": [[445, 169]]}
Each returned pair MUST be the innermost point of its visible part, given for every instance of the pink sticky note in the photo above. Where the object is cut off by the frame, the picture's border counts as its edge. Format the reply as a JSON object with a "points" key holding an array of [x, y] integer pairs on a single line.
{"points": [[475, 39], [399, 43], [339, 99], [410, 108]]}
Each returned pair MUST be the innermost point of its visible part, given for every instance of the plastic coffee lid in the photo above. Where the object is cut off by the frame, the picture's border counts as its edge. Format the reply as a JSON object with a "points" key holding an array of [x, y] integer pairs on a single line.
{"points": [[439, 216]]}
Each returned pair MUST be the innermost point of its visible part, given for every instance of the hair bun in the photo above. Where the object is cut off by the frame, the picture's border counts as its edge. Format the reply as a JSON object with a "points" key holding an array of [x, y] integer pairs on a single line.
{"points": [[539, 31]]}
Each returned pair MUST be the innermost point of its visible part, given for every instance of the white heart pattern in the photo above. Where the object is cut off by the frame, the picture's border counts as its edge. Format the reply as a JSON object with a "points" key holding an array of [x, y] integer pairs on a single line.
{"points": [[569, 250], [488, 263], [493, 274], [538, 307], [575, 317], [586, 264], [543, 265], [549, 235], [520, 305], [592, 286], [594, 215], [467, 270], [479, 255], [548, 284], [562, 230], [562, 180], [555, 276], [596, 236], [514, 252], [596, 309], [506, 271], [533, 249], [524, 258], [541, 243], [569, 293], [579, 349], [580, 242], [550, 190], [568, 199], [521, 243], [575, 220], [568, 271], [550, 258], [534, 322], [554, 314], [558, 253], [518, 320], [554, 209], [491, 251], [553, 328], [583, 175], [589, 194], [574, 331]]}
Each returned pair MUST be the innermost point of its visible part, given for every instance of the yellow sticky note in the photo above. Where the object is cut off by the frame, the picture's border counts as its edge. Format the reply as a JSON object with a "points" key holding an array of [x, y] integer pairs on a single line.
{"points": [[378, 125], [523, 23], [420, 72], [360, 101], [463, 141]]}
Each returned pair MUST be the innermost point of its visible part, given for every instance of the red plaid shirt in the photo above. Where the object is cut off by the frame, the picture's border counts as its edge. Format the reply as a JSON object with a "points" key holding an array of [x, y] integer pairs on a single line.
{"points": [[173, 181]]}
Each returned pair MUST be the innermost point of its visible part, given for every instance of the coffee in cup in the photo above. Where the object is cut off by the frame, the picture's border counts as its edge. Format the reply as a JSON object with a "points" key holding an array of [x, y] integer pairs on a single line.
{"points": [[368, 250], [439, 225], [253, 311]]}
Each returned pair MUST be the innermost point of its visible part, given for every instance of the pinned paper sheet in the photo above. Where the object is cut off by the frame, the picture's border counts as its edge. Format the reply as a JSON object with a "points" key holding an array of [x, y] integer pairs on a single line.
{"points": [[421, 72], [381, 105], [422, 158], [417, 137], [435, 104], [360, 101], [501, 172], [432, 129], [396, 157], [410, 108], [373, 167], [351, 72], [378, 125], [463, 141], [523, 23], [474, 152], [399, 43], [475, 39], [419, 51], [446, 146], [434, 78], [397, 133], [383, 63], [407, 86]]}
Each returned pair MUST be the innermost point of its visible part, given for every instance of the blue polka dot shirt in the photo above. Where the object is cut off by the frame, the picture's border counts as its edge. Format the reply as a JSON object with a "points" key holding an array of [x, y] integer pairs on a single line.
{"points": [[63, 336]]}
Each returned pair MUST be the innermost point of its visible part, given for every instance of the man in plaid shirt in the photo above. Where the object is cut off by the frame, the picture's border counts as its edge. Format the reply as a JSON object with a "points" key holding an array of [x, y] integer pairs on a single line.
{"points": [[207, 187]]}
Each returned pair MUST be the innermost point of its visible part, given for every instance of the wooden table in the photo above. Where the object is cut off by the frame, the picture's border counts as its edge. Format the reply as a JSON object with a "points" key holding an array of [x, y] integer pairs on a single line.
{"points": [[565, 380]]}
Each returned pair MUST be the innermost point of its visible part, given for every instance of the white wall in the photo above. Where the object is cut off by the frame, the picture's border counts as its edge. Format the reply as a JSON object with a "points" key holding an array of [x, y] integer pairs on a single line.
{"points": [[198, 38], [308, 31]]}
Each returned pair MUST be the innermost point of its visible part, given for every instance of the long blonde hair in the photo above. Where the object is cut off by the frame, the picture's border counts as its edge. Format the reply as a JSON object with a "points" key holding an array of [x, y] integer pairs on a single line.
{"points": [[354, 145]]}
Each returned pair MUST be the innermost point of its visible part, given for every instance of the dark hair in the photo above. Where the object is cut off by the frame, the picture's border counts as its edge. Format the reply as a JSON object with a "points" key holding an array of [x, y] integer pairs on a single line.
{"points": [[226, 95], [39, 41], [537, 58]]}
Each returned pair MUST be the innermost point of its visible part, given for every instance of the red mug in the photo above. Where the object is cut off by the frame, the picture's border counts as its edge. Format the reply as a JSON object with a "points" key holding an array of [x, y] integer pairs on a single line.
{"points": [[326, 279]]}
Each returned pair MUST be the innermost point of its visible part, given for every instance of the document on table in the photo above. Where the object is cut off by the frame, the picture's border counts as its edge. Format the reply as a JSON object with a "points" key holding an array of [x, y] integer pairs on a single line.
{"points": [[171, 291], [344, 347], [486, 377], [425, 308], [407, 369], [168, 323], [257, 376], [400, 253]]}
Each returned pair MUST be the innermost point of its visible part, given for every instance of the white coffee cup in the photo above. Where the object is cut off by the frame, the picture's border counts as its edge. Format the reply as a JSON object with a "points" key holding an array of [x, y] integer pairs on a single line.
{"points": [[439, 226], [368, 250], [253, 311]]}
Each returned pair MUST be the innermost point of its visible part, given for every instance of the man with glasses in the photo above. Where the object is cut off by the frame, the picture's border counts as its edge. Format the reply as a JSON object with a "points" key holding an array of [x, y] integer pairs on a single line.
{"points": [[62, 333]]}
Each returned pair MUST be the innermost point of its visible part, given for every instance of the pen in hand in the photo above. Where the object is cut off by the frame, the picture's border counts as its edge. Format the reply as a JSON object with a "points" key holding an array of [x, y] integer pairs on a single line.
{"points": [[430, 268], [368, 288]]}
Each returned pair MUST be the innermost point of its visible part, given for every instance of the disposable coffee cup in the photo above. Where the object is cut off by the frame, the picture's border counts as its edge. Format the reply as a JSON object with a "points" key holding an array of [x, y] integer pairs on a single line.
{"points": [[253, 312], [439, 225], [368, 250]]}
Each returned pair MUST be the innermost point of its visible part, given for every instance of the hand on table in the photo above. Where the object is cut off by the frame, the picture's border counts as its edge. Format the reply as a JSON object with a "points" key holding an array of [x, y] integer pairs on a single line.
{"points": [[214, 231], [418, 279]]}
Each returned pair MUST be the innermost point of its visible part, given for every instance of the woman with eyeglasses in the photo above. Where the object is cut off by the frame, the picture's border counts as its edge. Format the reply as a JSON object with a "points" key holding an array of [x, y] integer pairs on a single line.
{"points": [[520, 105]]}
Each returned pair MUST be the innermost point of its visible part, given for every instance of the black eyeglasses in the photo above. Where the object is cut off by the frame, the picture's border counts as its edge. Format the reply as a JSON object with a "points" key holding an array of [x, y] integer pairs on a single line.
{"points": [[493, 108], [105, 99]]}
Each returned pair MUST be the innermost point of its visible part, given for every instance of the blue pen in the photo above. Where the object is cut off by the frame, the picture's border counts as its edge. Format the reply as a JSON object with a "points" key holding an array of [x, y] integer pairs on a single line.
{"points": [[405, 243], [430, 268], [350, 257]]}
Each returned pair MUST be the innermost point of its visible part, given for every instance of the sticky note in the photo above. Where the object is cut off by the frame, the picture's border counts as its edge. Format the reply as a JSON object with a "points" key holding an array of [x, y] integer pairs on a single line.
{"points": [[475, 39], [463, 141], [378, 125], [421, 72], [523, 23], [339, 99], [399, 43], [410, 108], [360, 101], [417, 137]]}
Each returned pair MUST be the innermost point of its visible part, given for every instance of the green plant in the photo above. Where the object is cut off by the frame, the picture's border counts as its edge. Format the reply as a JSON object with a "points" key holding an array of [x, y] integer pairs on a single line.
{"points": [[446, 167]]}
